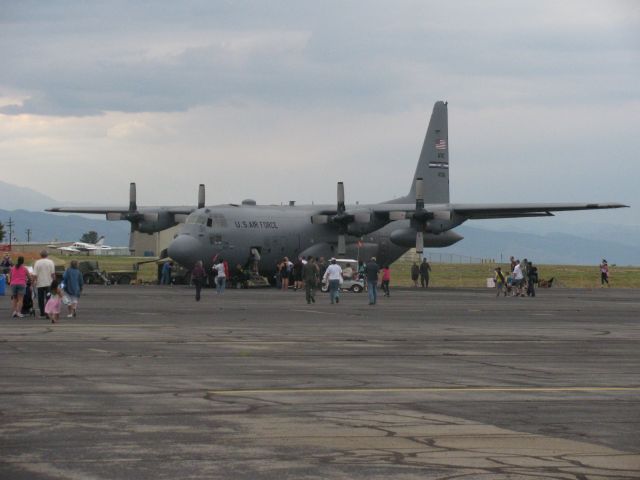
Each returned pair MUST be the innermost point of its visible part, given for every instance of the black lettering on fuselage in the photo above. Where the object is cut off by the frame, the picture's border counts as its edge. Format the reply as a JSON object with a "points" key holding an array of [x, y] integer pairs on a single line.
{"points": [[256, 224]]}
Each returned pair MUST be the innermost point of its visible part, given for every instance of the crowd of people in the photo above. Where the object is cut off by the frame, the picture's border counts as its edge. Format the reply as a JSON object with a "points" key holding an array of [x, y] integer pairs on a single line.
{"points": [[520, 281], [39, 284]]}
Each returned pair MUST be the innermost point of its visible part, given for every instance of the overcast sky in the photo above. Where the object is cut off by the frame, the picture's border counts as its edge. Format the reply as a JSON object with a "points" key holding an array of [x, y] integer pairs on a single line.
{"points": [[279, 100]]}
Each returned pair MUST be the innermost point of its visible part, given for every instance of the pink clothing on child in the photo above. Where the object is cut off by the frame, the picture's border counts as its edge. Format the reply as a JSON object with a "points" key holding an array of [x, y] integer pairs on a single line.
{"points": [[386, 274], [53, 305]]}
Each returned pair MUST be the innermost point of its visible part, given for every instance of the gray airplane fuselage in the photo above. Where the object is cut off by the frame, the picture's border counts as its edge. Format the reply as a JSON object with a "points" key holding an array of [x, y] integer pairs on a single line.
{"points": [[231, 231]]}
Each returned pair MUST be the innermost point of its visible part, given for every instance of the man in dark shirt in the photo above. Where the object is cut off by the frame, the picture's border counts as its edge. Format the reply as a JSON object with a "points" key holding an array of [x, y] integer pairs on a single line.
{"points": [[371, 271], [425, 268], [310, 272]]}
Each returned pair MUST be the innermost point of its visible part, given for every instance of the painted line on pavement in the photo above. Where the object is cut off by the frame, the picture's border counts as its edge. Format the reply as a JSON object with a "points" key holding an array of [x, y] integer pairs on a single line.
{"points": [[426, 390]]}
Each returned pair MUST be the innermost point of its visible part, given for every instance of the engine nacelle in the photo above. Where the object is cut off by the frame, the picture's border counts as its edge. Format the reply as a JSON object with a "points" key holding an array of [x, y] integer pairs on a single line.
{"points": [[155, 223], [406, 237]]}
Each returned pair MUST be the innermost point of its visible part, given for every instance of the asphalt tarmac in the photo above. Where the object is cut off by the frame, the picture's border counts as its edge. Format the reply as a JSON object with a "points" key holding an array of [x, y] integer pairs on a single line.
{"points": [[439, 384]]}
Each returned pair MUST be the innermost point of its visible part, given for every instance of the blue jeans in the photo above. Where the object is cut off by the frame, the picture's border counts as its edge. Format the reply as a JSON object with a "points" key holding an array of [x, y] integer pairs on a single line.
{"points": [[334, 290], [373, 292], [220, 284]]}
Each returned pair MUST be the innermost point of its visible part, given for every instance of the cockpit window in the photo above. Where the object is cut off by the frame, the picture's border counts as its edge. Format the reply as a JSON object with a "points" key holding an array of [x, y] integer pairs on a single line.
{"points": [[216, 220]]}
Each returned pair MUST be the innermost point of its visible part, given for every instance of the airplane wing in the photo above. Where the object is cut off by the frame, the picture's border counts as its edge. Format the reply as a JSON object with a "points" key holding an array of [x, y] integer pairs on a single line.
{"points": [[515, 210], [68, 249], [488, 210]]}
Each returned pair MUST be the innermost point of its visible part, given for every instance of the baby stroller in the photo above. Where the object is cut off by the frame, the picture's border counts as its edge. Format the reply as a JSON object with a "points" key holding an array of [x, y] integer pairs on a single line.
{"points": [[28, 301]]}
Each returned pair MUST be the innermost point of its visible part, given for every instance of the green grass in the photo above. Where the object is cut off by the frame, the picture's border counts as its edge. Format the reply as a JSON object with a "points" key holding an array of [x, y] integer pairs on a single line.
{"points": [[475, 274]]}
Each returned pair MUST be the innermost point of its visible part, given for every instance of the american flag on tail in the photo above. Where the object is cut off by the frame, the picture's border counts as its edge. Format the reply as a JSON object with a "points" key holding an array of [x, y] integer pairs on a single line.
{"points": [[441, 144]]}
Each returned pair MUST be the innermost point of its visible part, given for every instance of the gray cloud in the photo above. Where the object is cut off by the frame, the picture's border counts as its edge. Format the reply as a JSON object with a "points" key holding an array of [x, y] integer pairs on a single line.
{"points": [[78, 58]]}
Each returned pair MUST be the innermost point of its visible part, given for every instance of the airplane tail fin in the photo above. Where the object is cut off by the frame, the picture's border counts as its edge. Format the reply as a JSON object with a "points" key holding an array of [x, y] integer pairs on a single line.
{"points": [[100, 241], [433, 164]]}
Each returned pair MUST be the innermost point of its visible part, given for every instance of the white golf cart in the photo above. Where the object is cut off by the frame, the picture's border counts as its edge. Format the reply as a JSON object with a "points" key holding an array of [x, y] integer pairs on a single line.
{"points": [[353, 284]]}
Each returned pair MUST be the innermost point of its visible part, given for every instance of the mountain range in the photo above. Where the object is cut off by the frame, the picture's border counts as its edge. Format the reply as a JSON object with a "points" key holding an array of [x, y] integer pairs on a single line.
{"points": [[582, 244]]}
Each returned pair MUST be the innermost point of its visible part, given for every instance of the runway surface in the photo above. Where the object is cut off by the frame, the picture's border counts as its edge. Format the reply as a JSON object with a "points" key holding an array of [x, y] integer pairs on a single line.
{"points": [[439, 384]]}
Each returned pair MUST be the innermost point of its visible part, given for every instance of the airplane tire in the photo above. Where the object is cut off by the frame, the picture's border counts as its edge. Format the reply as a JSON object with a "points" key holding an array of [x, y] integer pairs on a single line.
{"points": [[356, 289], [88, 279]]}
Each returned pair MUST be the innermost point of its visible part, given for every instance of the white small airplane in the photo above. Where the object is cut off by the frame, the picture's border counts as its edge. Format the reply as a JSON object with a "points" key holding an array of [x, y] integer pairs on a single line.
{"points": [[78, 247]]}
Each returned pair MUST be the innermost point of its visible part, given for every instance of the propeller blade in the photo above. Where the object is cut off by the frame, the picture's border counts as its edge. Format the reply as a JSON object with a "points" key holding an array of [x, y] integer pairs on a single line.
{"points": [[342, 245], [132, 197], [397, 215], [201, 195], [419, 242], [319, 219], [340, 197], [363, 217], [419, 193]]}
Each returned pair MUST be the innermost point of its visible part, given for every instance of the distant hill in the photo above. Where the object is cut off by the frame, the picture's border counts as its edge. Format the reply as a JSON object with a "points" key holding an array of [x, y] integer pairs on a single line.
{"points": [[14, 198], [48, 227], [550, 248]]}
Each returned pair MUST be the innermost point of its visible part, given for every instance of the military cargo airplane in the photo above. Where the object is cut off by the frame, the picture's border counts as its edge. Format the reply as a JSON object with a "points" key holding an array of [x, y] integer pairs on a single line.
{"points": [[423, 218]]}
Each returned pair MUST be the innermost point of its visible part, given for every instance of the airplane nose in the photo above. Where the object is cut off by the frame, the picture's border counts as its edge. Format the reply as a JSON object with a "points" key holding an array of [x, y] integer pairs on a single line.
{"points": [[185, 250]]}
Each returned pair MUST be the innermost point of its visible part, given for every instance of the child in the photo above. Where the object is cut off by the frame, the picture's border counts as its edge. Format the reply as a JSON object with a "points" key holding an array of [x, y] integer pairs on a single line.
{"points": [[500, 282], [52, 308]]}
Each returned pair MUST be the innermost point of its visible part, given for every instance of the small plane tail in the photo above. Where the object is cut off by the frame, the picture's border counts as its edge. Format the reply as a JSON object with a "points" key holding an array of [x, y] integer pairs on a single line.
{"points": [[100, 241], [433, 164]]}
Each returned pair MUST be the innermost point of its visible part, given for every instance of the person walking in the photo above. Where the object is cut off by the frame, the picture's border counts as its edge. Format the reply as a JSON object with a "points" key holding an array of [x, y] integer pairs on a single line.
{"points": [[6, 264], [518, 279], [604, 273], [54, 304], [532, 279], [372, 270], [72, 280], [19, 276], [310, 273], [198, 276], [333, 275], [44, 271], [285, 273], [221, 276], [500, 282], [165, 278], [425, 268], [415, 274], [386, 278]]}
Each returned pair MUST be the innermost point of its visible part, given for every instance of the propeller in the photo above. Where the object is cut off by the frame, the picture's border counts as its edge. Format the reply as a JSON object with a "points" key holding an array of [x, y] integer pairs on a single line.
{"points": [[201, 195], [420, 216], [341, 218]]}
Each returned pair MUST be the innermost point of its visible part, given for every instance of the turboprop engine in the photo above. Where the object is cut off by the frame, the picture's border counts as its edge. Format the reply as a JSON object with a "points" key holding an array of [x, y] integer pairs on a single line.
{"points": [[406, 237]]}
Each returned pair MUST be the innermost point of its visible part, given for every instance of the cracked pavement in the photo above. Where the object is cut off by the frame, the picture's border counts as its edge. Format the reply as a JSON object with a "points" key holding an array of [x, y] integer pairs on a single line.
{"points": [[437, 384]]}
